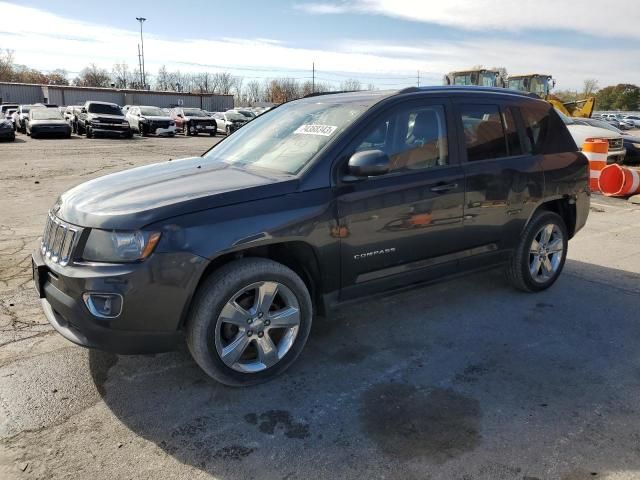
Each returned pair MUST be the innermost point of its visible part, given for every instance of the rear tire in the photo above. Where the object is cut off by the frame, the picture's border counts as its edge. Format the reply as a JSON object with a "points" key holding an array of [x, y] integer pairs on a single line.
{"points": [[207, 322], [539, 258], [186, 130], [89, 132]]}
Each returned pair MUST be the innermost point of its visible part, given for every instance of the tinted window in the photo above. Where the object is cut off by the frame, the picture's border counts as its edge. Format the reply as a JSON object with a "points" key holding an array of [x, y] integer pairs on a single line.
{"points": [[483, 132], [511, 130], [535, 123], [413, 138]]}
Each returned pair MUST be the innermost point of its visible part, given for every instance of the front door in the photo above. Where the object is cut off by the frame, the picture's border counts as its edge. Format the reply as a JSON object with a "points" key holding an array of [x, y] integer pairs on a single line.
{"points": [[406, 225]]}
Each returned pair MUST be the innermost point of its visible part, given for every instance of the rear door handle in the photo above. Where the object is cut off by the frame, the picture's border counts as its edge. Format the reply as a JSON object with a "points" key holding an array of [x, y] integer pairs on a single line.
{"points": [[444, 188]]}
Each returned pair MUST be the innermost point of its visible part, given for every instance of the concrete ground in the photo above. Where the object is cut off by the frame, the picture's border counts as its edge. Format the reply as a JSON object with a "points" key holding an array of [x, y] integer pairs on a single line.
{"points": [[466, 379]]}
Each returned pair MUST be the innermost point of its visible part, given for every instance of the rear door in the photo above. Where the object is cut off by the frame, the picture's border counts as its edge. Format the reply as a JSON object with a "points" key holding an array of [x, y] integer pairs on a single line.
{"points": [[404, 226], [504, 180]]}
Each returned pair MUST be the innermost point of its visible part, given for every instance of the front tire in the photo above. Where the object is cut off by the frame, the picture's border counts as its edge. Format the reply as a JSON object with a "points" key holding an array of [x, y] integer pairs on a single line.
{"points": [[88, 131], [249, 321], [540, 256]]}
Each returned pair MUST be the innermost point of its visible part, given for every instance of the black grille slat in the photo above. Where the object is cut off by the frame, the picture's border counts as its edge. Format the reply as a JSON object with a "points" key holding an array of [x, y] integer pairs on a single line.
{"points": [[58, 240]]}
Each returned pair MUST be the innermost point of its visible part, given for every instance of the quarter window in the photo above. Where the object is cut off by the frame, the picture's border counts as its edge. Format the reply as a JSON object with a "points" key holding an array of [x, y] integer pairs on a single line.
{"points": [[535, 123], [414, 138]]}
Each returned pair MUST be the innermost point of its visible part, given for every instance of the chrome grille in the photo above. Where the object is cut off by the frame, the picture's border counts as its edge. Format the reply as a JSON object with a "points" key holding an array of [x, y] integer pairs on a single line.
{"points": [[615, 143], [58, 240]]}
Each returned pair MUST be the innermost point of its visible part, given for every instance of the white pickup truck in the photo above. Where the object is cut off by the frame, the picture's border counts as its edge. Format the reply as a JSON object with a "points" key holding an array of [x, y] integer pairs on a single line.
{"points": [[580, 133]]}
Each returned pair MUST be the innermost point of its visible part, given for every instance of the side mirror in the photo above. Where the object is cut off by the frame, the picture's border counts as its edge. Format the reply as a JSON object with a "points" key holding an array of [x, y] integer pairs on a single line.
{"points": [[369, 163]]}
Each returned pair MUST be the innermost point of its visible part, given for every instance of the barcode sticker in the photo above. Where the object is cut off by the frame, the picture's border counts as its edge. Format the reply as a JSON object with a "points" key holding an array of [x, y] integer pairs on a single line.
{"points": [[324, 130]]}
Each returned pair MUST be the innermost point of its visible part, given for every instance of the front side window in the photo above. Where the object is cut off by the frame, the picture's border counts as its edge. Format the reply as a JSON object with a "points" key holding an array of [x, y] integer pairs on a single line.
{"points": [[413, 137]]}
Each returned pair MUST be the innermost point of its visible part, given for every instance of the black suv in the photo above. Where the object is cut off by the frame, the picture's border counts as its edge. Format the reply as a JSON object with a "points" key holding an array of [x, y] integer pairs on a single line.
{"points": [[317, 202], [102, 118]]}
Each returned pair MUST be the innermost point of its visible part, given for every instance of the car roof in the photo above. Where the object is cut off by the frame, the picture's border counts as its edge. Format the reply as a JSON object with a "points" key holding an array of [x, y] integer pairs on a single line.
{"points": [[103, 103]]}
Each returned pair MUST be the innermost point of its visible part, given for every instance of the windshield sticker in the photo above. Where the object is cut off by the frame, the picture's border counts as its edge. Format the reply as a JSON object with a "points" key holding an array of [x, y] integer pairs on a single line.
{"points": [[324, 130]]}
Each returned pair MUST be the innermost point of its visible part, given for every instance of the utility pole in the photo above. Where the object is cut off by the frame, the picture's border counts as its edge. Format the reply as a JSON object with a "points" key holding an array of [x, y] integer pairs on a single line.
{"points": [[313, 77], [142, 73], [418, 77], [140, 67]]}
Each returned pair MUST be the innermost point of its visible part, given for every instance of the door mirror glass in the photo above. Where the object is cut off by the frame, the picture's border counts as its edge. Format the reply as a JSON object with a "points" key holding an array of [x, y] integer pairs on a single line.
{"points": [[369, 163]]}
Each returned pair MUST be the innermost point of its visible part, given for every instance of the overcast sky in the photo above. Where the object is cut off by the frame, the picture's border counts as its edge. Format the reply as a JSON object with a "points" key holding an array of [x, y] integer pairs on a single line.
{"points": [[385, 42]]}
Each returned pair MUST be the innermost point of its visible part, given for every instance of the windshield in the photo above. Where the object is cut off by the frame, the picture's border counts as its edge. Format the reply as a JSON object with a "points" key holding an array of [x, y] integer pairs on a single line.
{"points": [[482, 79], [246, 113], [289, 137], [152, 111], [538, 85], [194, 112], [234, 116], [45, 114], [106, 109]]}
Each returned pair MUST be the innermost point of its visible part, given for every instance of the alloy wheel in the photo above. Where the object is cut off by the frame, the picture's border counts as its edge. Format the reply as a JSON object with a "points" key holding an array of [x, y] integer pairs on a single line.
{"points": [[545, 253], [257, 327]]}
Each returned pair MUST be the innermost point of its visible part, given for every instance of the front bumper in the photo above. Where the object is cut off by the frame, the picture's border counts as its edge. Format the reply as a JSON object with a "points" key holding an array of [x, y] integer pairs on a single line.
{"points": [[166, 131], [57, 130], [7, 133], [156, 294]]}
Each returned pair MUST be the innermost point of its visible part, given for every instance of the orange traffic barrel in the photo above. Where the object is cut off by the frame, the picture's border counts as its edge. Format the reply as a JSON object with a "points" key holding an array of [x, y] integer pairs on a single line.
{"points": [[617, 181], [596, 151]]}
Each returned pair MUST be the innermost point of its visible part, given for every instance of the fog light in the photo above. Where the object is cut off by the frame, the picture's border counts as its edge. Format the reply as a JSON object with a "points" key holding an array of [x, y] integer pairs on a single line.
{"points": [[103, 305]]}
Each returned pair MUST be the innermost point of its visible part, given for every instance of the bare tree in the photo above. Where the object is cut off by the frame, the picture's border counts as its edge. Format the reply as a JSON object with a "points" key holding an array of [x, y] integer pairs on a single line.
{"points": [[93, 76], [6, 65], [254, 92], [162, 79], [351, 84], [371, 86], [120, 75], [58, 77], [223, 82], [590, 87]]}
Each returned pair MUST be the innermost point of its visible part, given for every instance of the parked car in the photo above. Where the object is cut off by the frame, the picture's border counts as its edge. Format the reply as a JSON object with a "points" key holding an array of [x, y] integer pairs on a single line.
{"points": [[321, 201], [20, 116], [102, 118], [7, 131], [633, 119], [581, 131], [8, 115], [229, 122], [192, 121], [7, 106], [248, 114], [150, 121], [631, 142], [47, 122]]}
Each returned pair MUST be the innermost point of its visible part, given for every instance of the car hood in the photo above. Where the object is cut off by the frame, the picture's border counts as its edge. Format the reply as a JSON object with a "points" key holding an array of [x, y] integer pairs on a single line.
{"points": [[187, 117], [581, 132], [630, 138], [137, 197], [48, 122], [157, 118]]}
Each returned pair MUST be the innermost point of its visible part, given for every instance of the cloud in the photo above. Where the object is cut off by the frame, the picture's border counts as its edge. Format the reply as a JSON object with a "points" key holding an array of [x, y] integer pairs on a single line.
{"points": [[593, 17], [40, 40]]}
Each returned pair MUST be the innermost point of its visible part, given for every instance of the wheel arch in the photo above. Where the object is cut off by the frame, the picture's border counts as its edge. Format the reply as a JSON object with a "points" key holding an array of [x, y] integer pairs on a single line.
{"points": [[297, 255], [565, 206]]}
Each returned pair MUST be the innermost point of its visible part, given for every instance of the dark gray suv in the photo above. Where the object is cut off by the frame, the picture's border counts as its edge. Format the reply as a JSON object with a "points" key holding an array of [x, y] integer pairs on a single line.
{"points": [[317, 202]]}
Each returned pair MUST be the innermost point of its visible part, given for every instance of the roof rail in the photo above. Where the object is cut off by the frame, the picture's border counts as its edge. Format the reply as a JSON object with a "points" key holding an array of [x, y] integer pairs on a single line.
{"points": [[317, 94], [472, 88]]}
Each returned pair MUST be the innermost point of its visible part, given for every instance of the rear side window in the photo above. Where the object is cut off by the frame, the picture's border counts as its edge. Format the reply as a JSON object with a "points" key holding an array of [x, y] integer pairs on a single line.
{"points": [[484, 134], [536, 123], [511, 131]]}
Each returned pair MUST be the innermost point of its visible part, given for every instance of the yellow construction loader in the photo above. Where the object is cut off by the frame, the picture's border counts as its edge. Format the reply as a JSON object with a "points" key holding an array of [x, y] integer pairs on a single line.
{"points": [[481, 77], [541, 85]]}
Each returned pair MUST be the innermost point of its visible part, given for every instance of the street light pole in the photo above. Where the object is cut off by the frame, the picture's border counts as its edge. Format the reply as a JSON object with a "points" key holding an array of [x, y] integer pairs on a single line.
{"points": [[142, 73]]}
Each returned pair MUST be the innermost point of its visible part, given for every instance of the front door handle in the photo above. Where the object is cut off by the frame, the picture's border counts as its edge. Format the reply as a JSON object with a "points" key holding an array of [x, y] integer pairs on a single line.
{"points": [[444, 188]]}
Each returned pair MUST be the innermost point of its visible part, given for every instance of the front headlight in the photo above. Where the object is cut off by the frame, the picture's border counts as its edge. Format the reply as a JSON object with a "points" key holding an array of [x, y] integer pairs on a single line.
{"points": [[118, 247]]}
